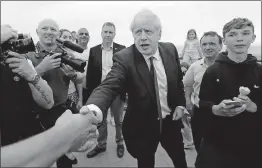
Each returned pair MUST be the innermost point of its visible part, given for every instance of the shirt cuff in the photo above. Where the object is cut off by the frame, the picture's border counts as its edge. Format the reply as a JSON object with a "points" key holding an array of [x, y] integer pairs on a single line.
{"points": [[97, 110], [184, 109]]}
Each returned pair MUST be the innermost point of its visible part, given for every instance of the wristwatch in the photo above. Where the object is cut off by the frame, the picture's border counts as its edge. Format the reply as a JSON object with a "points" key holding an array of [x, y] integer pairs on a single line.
{"points": [[35, 79]]}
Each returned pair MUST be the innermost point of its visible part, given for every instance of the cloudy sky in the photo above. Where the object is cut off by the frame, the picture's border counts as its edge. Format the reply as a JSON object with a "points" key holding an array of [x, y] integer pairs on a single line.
{"points": [[176, 17]]}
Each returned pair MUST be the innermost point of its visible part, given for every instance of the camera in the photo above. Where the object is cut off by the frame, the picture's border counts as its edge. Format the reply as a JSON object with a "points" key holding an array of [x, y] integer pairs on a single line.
{"points": [[22, 45], [76, 64]]}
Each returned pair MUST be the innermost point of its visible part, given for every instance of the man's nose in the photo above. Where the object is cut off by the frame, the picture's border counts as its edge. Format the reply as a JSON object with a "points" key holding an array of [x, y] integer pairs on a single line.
{"points": [[49, 31], [143, 35], [239, 37]]}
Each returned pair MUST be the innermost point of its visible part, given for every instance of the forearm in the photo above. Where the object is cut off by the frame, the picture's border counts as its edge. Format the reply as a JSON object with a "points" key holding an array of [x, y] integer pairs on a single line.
{"points": [[77, 77], [41, 150], [40, 70], [79, 89], [188, 92], [42, 93]]}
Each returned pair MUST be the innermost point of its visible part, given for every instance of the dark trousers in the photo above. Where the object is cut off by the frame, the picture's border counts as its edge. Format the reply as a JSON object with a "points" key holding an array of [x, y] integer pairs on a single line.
{"points": [[196, 125], [85, 96], [63, 162], [172, 141], [117, 109], [212, 156]]}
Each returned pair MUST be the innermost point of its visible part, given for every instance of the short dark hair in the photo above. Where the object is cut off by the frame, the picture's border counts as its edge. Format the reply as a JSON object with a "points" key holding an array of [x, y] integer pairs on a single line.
{"points": [[213, 34], [109, 24], [237, 23]]}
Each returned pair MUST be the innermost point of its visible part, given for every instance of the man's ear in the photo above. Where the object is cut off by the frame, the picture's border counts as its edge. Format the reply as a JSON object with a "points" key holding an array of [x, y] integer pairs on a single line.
{"points": [[36, 31], [160, 34], [254, 38], [224, 41]]}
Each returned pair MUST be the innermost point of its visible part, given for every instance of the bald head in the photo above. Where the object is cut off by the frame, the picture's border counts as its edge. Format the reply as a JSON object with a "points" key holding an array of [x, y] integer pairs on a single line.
{"points": [[47, 31], [83, 37], [48, 22]]}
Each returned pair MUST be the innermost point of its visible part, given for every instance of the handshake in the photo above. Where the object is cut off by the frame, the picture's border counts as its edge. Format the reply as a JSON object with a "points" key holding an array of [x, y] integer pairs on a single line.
{"points": [[79, 129]]}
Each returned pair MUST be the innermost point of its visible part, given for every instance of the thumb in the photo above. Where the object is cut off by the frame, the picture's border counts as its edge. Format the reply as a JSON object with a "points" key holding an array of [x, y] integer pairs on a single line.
{"points": [[84, 110], [67, 113], [94, 120], [174, 115]]}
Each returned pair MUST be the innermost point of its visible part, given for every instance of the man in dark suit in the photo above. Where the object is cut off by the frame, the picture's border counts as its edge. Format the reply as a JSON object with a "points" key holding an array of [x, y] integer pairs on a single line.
{"points": [[99, 64], [149, 71]]}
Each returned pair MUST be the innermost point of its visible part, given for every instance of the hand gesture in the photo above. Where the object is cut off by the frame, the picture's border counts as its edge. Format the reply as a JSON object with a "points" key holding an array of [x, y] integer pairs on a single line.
{"points": [[7, 33], [50, 62], [86, 110], [68, 71], [79, 128], [20, 65], [189, 105], [178, 113], [251, 106], [227, 110]]}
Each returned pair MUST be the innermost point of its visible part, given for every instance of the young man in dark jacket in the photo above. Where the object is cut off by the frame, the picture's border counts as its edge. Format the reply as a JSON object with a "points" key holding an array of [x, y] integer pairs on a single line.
{"points": [[232, 135]]}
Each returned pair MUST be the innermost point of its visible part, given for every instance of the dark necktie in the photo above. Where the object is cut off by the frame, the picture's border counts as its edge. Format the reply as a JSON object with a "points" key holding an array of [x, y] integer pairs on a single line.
{"points": [[156, 92]]}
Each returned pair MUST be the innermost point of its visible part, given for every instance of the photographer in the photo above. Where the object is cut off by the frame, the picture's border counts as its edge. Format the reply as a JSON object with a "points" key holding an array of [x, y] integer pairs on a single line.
{"points": [[57, 74], [21, 89]]}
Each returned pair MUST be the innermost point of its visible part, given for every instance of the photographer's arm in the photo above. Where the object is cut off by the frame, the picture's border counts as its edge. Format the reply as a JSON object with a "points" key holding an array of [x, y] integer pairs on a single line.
{"points": [[24, 68], [76, 77], [79, 78], [41, 92], [48, 63]]}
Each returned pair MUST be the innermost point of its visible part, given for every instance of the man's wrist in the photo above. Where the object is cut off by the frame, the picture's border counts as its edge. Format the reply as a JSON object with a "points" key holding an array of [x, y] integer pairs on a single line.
{"points": [[34, 79], [214, 109], [73, 76]]}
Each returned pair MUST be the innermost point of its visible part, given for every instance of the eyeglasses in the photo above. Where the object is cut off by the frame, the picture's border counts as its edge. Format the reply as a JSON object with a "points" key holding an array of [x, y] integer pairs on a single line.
{"points": [[83, 34]]}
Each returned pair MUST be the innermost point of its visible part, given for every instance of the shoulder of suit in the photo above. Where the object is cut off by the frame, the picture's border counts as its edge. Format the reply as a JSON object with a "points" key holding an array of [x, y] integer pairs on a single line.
{"points": [[166, 44], [119, 45], [95, 47]]}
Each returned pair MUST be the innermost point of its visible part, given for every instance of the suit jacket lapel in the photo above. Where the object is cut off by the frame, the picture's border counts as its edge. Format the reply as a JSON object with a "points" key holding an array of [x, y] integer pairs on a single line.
{"points": [[115, 48], [99, 57], [143, 70]]}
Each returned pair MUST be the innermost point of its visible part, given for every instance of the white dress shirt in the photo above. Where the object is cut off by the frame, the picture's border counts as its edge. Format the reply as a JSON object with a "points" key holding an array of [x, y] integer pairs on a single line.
{"points": [[84, 56], [162, 85], [107, 61], [161, 81]]}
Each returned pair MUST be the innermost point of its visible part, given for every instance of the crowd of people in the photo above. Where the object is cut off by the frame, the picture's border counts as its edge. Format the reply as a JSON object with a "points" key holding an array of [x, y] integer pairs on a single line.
{"points": [[205, 98]]}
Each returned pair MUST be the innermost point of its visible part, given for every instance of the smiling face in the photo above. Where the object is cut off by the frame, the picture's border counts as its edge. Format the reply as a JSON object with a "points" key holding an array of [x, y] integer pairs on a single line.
{"points": [[66, 36], [210, 46], [83, 36], [47, 32], [239, 40], [146, 35]]}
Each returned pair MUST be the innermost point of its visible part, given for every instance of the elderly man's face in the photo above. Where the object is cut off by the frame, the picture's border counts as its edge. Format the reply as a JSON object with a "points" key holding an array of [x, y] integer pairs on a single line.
{"points": [[146, 35], [47, 32]]}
